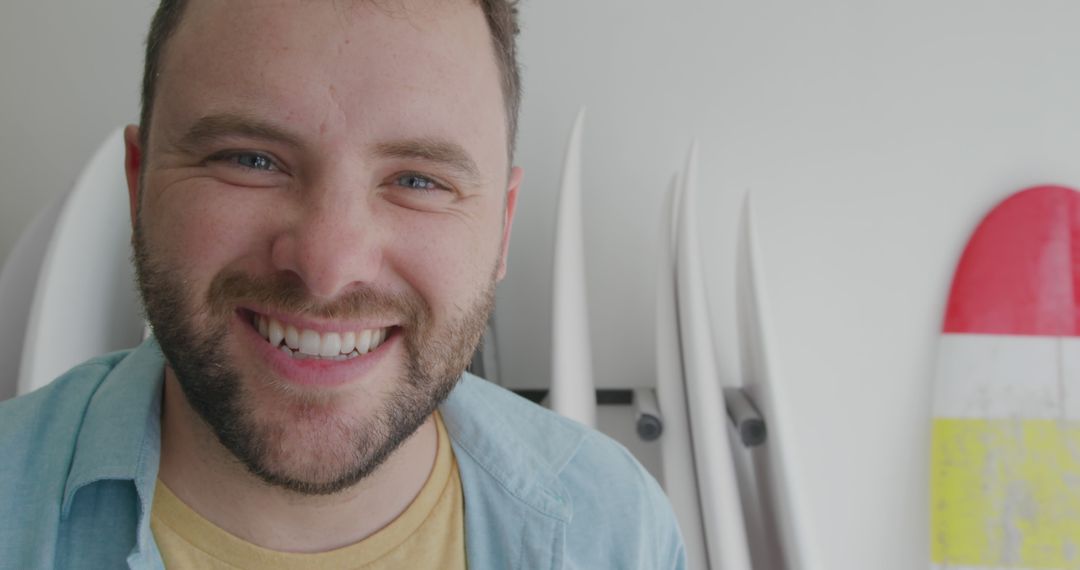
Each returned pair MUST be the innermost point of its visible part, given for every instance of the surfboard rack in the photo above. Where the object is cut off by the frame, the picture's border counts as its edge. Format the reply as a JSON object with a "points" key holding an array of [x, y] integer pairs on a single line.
{"points": [[745, 417], [648, 423], [647, 418], [741, 411], [604, 397]]}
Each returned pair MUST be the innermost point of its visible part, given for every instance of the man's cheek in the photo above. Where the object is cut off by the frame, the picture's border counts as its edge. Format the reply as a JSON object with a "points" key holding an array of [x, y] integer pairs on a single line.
{"points": [[202, 234], [449, 246]]}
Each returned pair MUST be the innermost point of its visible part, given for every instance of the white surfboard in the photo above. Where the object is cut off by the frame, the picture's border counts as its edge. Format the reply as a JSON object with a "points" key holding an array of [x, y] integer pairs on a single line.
{"points": [[677, 454], [18, 281], [86, 303], [725, 529], [783, 545], [573, 393]]}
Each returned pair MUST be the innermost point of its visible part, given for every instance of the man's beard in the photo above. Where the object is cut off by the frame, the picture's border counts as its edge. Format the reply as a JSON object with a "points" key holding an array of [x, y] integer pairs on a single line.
{"points": [[314, 444]]}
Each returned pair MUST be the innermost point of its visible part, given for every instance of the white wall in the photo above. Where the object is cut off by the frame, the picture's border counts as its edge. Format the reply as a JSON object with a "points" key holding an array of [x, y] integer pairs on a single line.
{"points": [[873, 134], [70, 74]]}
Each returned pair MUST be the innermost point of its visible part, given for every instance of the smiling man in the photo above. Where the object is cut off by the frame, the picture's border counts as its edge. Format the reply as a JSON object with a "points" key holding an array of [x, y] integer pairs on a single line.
{"points": [[321, 196]]}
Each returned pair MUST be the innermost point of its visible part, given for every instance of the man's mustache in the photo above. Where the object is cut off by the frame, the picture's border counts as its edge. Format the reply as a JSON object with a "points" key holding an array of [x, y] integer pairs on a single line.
{"points": [[286, 292]]}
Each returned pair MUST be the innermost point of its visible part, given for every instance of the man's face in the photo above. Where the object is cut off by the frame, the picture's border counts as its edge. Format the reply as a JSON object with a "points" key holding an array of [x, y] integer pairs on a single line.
{"points": [[334, 173]]}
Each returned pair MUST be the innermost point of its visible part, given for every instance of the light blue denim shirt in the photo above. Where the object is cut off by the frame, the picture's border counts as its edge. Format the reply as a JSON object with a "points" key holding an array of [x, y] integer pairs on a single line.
{"points": [[79, 461]]}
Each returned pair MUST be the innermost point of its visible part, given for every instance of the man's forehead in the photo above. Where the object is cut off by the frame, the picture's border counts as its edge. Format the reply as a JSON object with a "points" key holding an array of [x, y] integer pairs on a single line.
{"points": [[345, 11], [276, 25], [451, 33], [393, 65]]}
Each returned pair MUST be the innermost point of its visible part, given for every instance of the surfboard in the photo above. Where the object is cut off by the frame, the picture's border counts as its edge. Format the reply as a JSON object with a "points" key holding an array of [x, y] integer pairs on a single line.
{"points": [[85, 299], [676, 453], [777, 531], [18, 282], [573, 393], [1005, 452], [725, 528]]}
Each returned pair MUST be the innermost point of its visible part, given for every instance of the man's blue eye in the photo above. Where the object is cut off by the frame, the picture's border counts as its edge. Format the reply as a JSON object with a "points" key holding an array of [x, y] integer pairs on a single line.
{"points": [[253, 161], [417, 182], [246, 160]]}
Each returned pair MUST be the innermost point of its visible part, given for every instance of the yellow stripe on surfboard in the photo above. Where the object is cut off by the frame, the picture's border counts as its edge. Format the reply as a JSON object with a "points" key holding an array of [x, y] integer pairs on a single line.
{"points": [[1006, 493]]}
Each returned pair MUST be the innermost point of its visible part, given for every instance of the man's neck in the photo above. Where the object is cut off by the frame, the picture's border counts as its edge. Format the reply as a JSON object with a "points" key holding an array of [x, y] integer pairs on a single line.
{"points": [[209, 480]]}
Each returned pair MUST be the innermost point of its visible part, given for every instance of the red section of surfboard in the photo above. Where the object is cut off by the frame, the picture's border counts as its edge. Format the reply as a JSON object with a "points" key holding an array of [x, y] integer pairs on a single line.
{"points": [[1020, 272]]}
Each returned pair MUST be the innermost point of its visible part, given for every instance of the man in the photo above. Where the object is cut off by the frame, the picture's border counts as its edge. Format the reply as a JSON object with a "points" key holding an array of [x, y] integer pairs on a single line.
{"points": [[321, 197]]}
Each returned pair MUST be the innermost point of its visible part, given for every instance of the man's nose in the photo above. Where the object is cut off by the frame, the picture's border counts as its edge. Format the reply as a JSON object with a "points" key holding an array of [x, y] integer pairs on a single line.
{"points": [[333, 244]]}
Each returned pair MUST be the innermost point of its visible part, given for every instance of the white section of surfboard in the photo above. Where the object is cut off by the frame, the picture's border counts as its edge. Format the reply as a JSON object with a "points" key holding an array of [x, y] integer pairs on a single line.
{"points": [[18, 283], [677, 454], [1008, 377], [86, 301], [572, 388], [785, 520], [725, 529]]}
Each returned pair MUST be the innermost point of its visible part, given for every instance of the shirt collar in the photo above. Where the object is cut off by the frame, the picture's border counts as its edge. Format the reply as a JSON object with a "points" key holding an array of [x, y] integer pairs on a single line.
{"points": [[120, 437]]}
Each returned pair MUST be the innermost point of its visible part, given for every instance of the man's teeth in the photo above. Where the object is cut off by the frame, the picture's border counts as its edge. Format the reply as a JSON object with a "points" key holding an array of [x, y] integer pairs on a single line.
{"points": [[335, 346]]}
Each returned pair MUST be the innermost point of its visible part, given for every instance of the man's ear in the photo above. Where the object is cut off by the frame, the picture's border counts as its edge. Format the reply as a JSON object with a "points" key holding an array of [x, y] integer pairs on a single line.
{"points": [[516, 175], [133, 157]]}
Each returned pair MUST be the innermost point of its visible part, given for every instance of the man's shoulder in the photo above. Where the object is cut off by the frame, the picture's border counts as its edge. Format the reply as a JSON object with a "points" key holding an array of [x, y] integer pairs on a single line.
{"points": [[55, 408], [39, 433], [619, 509], [609, 499], [562, 446], [81, 431], [533, 432]]}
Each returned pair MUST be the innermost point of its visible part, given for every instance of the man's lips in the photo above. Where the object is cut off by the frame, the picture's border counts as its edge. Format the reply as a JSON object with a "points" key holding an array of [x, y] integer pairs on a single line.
{"points": [[316, 358], [303, 342]]}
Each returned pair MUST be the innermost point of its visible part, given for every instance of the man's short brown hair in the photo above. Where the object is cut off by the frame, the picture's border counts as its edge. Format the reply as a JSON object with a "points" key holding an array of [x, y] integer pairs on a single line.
{"points": [[501, 18]]}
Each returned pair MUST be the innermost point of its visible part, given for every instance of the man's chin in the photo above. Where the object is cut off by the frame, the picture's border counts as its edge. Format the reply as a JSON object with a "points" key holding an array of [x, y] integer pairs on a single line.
{"points": [[319, 442], [309, 448], [315, 465]]}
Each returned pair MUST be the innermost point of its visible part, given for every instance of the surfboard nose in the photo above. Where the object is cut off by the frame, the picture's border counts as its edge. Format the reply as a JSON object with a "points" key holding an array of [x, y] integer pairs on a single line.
{"points": [[1021, 268], [1005, 455]]}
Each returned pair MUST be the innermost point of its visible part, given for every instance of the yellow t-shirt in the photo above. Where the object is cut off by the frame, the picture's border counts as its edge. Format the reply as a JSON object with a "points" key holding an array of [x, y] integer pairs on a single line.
{"points": [[429, 534]]}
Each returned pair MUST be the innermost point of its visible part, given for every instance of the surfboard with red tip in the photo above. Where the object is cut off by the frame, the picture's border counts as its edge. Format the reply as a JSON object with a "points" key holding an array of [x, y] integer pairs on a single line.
{"points": [[1005, 457]]}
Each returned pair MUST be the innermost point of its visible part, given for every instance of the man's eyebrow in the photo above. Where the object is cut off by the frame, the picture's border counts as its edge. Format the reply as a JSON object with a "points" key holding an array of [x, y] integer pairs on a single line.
{"points": [[214, 127], [438, 151]]}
